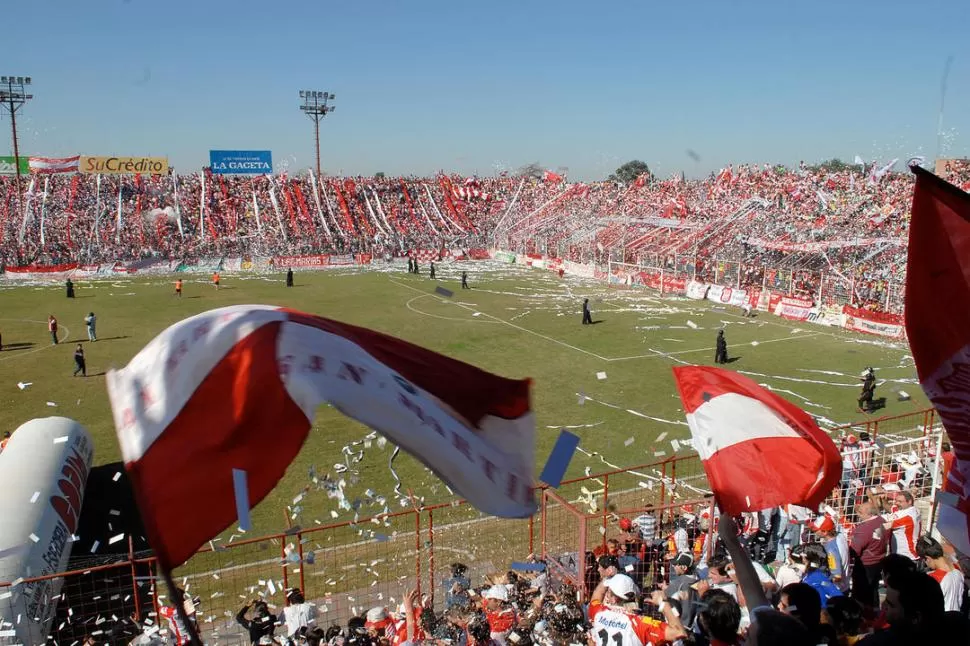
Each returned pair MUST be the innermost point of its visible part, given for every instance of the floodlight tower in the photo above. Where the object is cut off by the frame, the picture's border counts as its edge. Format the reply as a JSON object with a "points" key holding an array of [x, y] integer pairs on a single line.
{"points": [[13, 95], [316, 106]]}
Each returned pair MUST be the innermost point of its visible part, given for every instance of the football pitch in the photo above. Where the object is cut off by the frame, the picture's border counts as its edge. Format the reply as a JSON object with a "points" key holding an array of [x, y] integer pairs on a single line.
{"points": [[610, 383]]}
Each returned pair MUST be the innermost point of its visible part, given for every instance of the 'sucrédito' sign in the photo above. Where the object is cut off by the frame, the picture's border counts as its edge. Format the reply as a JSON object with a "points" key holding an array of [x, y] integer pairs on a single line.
{"points": [[124, 165], [241, 162]]}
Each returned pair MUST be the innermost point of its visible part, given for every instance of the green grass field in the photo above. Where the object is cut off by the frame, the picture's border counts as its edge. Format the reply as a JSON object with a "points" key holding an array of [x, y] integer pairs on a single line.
{"points": [[514, 321]]}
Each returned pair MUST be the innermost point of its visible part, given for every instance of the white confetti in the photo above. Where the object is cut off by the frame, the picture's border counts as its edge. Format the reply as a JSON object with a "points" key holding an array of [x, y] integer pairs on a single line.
{"points": [[52, 404], [675, 445], [747, 501], [116, 477], [34, 498], [94, 547], [60, 440], [23, 386], [115, 539], [691, 324], [601, 375], [754, 343], [271, 586], [628, 442], [660, 438], [34, 538], [659, 454]]}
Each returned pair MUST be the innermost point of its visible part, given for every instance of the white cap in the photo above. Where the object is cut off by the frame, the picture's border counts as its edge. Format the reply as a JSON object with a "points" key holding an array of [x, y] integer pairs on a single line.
{"points": [[376, 615], [622, 586], [499, 592]]}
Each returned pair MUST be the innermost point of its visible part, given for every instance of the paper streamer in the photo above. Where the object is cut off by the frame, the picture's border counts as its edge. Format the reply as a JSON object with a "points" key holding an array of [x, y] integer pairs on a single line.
{"points": [[241, 489], [558, 462]]}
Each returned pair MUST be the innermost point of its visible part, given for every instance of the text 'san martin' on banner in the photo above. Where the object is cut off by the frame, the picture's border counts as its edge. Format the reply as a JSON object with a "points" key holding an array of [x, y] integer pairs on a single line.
{"points": [[241, 162]]}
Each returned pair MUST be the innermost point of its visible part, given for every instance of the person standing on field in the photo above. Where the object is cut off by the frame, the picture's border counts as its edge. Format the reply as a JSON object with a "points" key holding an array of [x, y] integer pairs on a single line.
{"points": [[79, 365], [289, 277], [52, 328], [178, 288], [91, 322]]}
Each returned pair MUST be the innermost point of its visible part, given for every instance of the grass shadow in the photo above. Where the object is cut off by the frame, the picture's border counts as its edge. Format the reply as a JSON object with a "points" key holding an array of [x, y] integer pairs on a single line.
{"points": [[13, 347]]}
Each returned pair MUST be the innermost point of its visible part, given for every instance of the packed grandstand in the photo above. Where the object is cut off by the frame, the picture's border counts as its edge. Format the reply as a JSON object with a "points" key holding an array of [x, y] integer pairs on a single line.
{"points": [[825, 236]]}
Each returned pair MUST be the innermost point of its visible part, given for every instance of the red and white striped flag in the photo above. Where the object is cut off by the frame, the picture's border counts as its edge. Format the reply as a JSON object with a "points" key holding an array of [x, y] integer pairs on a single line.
{"points": [[237, 388], [938, 327], [758, 450], [49, 165]]}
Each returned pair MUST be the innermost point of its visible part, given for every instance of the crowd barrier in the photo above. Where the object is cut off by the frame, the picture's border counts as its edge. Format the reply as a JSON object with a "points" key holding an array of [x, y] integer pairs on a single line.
{"points": [[347, 567]]}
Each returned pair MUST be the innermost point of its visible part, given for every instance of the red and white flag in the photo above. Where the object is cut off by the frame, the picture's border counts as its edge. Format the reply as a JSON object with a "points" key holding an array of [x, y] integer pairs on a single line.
{"points": [[49, 165], [551, 177], [758, 449], [237, 388], [938, 327]]}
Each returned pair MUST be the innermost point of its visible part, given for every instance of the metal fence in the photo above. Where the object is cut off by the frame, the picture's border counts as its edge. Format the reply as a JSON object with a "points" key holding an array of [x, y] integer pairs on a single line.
{"points": [[346, 568]]}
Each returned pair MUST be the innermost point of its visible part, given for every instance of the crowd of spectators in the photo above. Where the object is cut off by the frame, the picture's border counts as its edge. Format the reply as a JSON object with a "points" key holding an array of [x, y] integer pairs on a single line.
{"points": [[851, 223], [862, 568]]}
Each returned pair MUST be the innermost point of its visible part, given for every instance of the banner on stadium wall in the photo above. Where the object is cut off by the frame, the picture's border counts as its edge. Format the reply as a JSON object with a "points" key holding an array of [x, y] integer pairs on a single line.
{"points": [[302, 261], [505, 256], [342, 260], [793, 309], [203, 264], [124, 165], [241, 162], [579, 269], [727, 295], [536, 263], [8, 165], [879, 323], [675, 285], [232, 264], [41, 272], [697, 290], [363, 259], [827, 316]]}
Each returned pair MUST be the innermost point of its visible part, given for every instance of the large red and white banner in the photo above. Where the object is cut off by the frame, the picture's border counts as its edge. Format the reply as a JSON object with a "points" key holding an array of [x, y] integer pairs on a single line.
{"points": [[817, 247], [697, 290], [758, 450], [302, 261], [237, 388], [793, 309], [50, 165], [938, 325], [729, 295], [879, 323]]}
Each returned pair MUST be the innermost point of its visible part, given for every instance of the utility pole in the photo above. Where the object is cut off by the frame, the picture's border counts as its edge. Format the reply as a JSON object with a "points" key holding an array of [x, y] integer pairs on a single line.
{"points": [[315, 105], [13, 95]]}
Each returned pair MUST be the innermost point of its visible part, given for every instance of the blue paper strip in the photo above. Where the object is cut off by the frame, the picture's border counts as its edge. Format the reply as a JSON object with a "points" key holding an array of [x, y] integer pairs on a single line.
{"points": [[444, 292], [241, 488], [527, 567], [558, 461]]}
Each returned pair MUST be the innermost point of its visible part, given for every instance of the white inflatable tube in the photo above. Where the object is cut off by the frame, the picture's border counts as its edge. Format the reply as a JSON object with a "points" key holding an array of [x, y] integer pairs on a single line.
{"points": [[43, 472]]}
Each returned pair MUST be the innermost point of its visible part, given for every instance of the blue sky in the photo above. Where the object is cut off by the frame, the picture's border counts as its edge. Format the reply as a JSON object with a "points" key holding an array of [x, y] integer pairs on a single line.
{"points": [[472, 86]]}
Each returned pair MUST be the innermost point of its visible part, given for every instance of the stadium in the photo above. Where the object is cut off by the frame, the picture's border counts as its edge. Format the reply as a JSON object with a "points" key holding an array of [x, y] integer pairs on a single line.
{"points": [[545, 328]]}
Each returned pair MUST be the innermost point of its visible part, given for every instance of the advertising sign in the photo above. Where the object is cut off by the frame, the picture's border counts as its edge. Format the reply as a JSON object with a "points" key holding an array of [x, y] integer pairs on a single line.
{"points": [[7, 166], [241, 162], [124, 165]]}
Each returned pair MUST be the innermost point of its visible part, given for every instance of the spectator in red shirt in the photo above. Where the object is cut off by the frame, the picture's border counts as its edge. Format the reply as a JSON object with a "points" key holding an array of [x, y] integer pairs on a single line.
{"points": [[870, 544]]}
